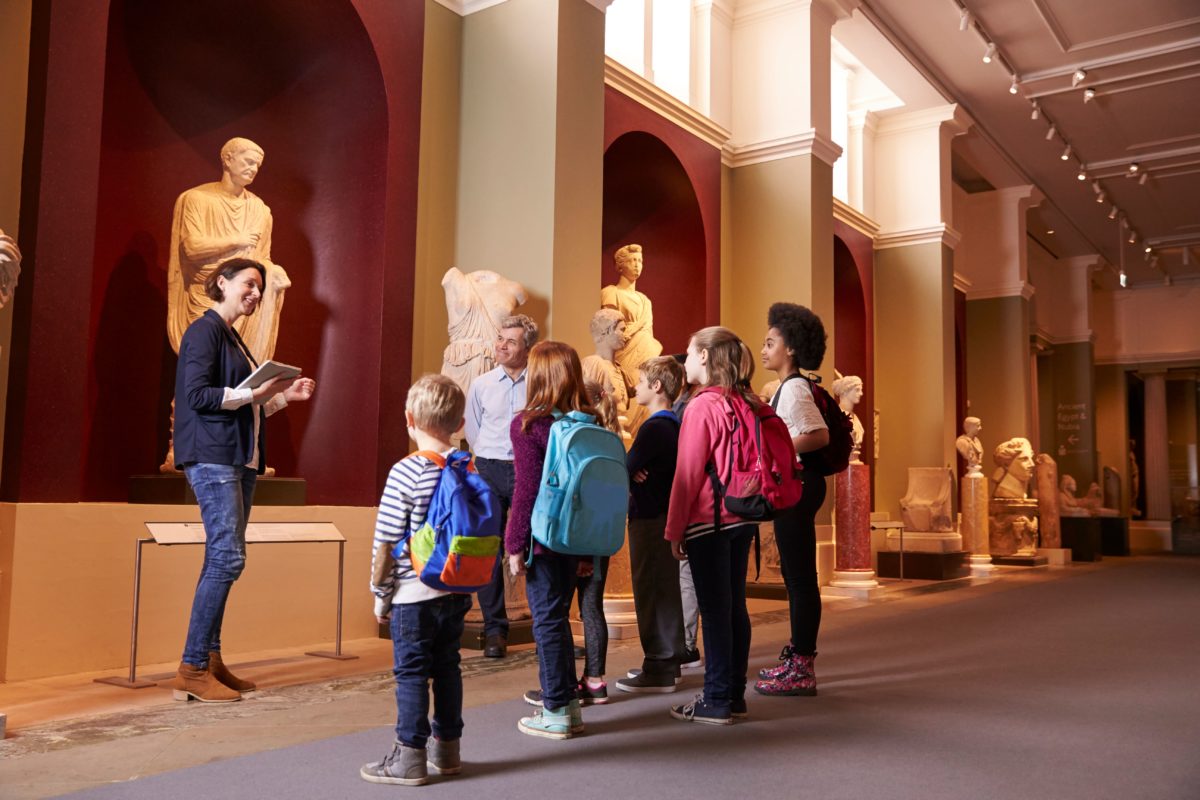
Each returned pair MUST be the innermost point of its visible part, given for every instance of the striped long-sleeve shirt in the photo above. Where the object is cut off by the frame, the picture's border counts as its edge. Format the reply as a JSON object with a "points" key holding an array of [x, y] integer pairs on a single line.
{"points": [[402, 510]]}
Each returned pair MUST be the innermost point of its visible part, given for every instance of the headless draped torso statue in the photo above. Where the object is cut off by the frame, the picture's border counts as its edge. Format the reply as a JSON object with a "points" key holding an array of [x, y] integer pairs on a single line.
{"points": [[476, 303]]}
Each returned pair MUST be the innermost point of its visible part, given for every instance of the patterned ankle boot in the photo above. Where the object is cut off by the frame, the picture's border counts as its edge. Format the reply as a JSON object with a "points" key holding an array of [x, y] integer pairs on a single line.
{"points": [[799, 679], [785, 657]]}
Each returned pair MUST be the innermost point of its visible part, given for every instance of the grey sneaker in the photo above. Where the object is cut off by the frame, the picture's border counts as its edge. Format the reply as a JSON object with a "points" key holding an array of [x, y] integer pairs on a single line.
{"points": [[643, 683], [633, 673], [444, 757], [404, 766]]}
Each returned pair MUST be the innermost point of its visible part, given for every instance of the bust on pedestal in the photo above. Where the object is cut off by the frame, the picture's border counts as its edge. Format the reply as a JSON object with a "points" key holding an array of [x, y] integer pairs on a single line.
{"points": [[973, 498], [852, 572], [1013, 522]]}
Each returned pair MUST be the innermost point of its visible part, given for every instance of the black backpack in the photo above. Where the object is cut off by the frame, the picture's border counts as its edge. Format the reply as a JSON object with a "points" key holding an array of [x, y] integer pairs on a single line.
{"points": [[835, 456]]}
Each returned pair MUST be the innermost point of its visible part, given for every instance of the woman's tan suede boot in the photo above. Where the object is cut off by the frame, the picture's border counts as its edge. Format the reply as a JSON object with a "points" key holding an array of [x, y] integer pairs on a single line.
{"points": [[221, 672], [193, 683]]}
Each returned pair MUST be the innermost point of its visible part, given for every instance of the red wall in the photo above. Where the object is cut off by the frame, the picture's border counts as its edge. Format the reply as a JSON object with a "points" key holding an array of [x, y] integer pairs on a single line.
{"points": [[662, 189], [332, 92], [854, 324]]}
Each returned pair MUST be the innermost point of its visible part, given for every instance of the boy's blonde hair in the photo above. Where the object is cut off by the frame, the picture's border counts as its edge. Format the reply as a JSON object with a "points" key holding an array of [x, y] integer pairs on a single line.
{"points": [[436, 403], [667, 371]]}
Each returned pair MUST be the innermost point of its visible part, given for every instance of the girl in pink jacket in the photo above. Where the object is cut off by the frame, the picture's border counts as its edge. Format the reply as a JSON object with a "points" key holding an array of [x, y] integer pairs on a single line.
{"points": [[716, 359]]}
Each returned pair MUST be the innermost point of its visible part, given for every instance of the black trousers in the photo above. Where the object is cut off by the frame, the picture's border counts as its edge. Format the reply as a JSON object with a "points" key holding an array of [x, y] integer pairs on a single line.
{"points": [[500, 476], [796, 538], [656, 597]]}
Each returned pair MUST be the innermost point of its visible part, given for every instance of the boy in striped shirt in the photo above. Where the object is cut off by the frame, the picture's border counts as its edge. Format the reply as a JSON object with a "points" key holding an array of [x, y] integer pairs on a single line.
{"points": [[426, 623]]}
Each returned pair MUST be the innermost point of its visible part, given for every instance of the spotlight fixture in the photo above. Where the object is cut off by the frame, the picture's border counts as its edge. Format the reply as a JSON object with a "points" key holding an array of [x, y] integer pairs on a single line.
{"points": [[1079, 77], [1149, 249], [1082, 173], [1133, 168], [964, 19], [1112, 214], [1037, 112], [1142, 180], [1050, 134], [1132, 236], [1012, 89], [1123, 279], [1050, 232], [1066, 154], [989, 53], [1088, 95], [1100, 198], [1096, 187]]}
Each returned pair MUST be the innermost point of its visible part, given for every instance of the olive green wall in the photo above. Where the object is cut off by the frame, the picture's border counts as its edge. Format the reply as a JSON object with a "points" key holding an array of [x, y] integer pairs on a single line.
{"points": [[998, 369], [437, 183], [914, 365], [1112, 424], [1073, 426]]}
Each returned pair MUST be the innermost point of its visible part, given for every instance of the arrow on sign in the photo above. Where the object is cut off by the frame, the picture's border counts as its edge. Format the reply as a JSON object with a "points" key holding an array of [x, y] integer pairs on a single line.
{"points": [[1072, 440]]}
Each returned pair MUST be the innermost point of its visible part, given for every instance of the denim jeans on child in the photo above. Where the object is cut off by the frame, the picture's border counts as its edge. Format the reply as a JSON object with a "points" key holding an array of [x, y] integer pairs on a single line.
{"points": [[718, 562], [425, 639], [224, 494], [549, 585]]}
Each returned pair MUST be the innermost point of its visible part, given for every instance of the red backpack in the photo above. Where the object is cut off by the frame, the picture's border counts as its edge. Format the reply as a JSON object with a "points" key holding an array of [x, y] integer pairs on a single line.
{"points": [[764, 476]]}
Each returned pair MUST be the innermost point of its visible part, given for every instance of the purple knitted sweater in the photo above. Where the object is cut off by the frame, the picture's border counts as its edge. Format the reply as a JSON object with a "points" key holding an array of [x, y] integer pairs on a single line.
{"points": [[529, 454]]}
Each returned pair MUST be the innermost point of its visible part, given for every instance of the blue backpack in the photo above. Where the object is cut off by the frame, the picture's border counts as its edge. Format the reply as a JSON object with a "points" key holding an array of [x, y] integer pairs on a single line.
{"points": [[457, 547], [584, 494]]}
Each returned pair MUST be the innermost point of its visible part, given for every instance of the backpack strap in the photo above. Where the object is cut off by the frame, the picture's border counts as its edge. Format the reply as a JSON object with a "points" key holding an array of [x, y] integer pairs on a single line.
{"points": [[433, 456], [779, 391]]}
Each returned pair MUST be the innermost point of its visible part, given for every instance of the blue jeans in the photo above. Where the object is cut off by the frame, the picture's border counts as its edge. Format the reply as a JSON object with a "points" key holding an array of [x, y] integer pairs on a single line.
{"points": [[224, 494], [549, 585], [425, 640], [500, 476], [718, 562]]}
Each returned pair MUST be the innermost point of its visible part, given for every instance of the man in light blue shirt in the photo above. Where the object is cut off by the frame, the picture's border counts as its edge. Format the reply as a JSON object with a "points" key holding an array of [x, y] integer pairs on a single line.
{"points": [[493, 399]]}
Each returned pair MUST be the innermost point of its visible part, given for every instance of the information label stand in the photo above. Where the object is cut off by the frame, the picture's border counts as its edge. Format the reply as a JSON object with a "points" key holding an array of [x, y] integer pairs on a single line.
{"points": [[169, 534]]}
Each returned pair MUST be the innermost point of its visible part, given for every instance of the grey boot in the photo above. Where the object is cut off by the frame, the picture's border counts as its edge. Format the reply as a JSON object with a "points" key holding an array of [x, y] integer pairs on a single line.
{"points": [[444, 758], [403, 765]]}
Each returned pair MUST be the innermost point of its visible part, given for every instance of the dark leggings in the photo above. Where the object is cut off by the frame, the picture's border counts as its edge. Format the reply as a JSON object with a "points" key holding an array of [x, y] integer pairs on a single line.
{"points": [[796, 539], [595, 627]]}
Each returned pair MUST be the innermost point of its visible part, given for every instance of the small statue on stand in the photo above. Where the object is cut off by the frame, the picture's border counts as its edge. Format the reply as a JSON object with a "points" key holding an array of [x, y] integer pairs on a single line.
{"points": [[969, 446], [608, 333], [848, 391], [476, 303]]}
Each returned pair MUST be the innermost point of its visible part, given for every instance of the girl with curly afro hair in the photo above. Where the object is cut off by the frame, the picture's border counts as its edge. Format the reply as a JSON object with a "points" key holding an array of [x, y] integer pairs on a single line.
{"points": [[795, 341]]}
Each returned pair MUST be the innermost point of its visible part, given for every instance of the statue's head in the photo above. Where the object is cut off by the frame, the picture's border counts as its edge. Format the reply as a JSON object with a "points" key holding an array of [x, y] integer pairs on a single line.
{"points": [[629, 261], [1067, 484], [1016, 456], [848, 390], [608, 324], [241, 160], [972, 426]]}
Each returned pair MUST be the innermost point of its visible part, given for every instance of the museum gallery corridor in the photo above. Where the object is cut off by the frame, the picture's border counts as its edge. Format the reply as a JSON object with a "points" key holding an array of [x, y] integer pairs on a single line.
{"points": [[1075, 683]]}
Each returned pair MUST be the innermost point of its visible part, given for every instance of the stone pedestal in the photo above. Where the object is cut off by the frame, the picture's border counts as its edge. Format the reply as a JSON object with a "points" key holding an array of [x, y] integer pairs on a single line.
{"points": [[852, 560], [1012, 526], [1114, 535], [925, 541], [1082, 535], [1056, 556], [974, 521]]}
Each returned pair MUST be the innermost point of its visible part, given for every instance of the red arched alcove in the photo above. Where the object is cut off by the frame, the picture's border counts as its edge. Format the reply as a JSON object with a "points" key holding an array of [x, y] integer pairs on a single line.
{"points": [[853, 328], [649, 200]]}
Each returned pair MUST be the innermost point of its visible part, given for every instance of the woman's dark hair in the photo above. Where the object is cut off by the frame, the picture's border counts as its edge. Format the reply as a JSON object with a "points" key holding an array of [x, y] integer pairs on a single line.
{"points": [[802, 332], [226, 270]]}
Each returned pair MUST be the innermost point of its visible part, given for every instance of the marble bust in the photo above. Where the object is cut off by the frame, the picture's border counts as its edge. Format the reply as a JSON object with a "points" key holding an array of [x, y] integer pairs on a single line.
{"points": [[212, 223], [848, 390], [1014, 468], [969, 446], [10, 268], [476, 303], [608, 333], [637, 312]]}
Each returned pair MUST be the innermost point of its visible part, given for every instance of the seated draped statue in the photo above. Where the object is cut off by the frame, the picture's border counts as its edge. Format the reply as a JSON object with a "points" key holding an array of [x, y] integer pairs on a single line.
{"points": [[608, 333], [212, 223], [635, 308], [476, 303], [1071, 506], [969, 446], [926, 504], [10, 268], [1014, 468], [848, 390]]}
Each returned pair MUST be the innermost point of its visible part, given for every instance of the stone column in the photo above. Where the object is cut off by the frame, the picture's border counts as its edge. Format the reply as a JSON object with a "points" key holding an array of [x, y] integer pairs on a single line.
{"points": [[852, 570], [1156, 481], [974, 527]]}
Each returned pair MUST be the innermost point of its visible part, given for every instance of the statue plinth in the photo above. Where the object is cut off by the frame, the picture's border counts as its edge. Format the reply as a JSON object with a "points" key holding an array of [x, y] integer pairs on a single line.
{"points": [[973, 499], [852, 555], [1012, 526]]}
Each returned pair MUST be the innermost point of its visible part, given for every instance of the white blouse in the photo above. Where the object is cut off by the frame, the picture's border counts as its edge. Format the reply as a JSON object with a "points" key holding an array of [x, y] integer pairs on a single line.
{"points": [[795, 406]]}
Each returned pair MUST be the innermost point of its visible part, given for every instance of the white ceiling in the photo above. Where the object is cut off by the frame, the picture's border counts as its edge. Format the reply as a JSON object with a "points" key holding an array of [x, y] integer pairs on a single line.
{"points": [[1141, 58]]}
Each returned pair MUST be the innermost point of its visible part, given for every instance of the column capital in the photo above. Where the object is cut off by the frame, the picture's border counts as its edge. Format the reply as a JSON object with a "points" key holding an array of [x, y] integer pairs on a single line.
{"points": [[950, 118], [930, 234], [810, 142], [863, 119]]}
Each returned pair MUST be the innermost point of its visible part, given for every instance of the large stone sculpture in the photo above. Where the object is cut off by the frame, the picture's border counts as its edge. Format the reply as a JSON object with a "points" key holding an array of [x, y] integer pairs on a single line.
{"points": [[969, 446], [608, 333], [10, 268], [1013, 516], [1014, 468], [212, 223], [635, 308], [476, 303], [848, 390], [1049, 509]]}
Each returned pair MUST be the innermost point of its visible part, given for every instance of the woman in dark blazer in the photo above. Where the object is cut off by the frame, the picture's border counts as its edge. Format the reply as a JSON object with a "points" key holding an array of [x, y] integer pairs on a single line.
{"points": [[221, 448]]}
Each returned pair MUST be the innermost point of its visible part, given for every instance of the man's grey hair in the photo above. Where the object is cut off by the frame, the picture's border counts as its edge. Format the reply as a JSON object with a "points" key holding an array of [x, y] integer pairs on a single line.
{"points": [[522, 321]]}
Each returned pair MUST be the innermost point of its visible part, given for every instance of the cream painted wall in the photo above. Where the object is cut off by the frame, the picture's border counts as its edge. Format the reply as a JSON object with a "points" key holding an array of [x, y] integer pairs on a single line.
{"points": [[15, 18], [531, 155], [1147, 325], [914, 365], [994, 252], [913, 184], [437, 183], [286, 597]]}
